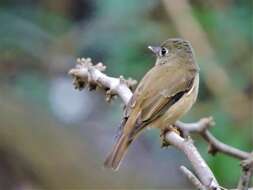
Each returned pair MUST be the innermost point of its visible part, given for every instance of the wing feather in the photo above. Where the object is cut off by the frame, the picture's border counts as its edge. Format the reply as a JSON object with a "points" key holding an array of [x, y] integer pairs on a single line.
{"points": [[152, 101]]}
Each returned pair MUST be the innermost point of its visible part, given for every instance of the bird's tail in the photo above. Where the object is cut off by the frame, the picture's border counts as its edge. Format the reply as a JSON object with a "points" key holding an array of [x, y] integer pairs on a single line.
{"points": [[119, 150]]}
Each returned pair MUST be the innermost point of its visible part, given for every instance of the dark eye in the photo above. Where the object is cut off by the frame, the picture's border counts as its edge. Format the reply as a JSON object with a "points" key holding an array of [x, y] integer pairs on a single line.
{"points": [[163, 51]]}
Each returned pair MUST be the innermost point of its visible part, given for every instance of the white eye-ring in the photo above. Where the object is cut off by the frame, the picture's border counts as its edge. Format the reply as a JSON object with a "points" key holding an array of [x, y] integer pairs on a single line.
{"points": [[163, 51]]}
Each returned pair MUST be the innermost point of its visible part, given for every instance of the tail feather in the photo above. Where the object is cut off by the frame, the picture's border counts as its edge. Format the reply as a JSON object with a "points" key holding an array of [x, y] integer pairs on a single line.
{"points": [[119, 150], [124, 139]]}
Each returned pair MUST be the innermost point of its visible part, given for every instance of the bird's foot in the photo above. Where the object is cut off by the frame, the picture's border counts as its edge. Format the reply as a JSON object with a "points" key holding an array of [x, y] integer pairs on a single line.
{"points": [[164, 142]]}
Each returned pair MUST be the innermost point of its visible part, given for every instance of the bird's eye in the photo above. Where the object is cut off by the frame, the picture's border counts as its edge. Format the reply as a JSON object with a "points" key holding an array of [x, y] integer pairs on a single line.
{"points": [[163, 51]]}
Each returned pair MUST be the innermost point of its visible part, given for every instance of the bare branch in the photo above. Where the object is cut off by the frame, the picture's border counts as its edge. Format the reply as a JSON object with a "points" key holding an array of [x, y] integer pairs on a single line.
{"points": [[201, 127], [87, 74], [198, 127], [217, 146], [247, 170], [201, 168], [192, 178]]}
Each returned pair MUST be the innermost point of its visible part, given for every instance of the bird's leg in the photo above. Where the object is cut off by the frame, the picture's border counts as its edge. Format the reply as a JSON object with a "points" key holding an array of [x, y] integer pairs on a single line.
{"points": [[180, 131], [165, 130]]}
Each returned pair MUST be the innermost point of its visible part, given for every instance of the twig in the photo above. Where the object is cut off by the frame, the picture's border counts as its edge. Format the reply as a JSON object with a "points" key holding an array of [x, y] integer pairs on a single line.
{"points": [[201, 127], [247, 170], [192, 178], [218, 146], [87, 74]]}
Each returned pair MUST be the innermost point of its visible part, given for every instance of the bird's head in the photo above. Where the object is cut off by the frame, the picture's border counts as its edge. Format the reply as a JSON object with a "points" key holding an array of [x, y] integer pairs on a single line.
{"points": [[172, 48]]}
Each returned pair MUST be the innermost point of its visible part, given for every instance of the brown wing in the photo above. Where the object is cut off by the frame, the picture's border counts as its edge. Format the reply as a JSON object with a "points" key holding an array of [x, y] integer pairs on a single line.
{"points": [[157, 103], [153, 100]]}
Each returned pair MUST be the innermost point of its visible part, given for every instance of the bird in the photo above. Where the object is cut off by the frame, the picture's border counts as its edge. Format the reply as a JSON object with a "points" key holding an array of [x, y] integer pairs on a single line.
{"points": [[165, 93]]}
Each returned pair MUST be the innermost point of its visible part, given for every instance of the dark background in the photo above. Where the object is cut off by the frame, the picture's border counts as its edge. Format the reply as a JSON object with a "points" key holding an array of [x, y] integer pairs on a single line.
{"points": [[55, 137]]}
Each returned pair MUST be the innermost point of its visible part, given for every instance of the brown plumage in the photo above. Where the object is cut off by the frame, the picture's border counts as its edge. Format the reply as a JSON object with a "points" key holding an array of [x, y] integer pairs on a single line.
{"points": [[165, 93]]}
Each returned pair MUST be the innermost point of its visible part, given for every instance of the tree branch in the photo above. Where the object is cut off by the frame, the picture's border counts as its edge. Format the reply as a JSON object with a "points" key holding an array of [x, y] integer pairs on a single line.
{"points": [[247, 170], [192, 178], [201, 127], [201, 168], [87, 74]]}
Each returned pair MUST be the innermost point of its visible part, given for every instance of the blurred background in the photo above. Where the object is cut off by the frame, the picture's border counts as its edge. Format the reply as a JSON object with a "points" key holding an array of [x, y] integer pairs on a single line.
{"points": [[55, 137]]}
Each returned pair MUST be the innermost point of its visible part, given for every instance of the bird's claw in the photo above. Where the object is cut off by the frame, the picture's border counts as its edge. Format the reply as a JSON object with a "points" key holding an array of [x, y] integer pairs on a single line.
{"points": [[164, 142]]}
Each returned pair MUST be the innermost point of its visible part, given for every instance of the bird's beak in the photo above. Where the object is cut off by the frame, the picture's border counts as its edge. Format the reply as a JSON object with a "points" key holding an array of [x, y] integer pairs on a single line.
{"points": [[155, 49]]}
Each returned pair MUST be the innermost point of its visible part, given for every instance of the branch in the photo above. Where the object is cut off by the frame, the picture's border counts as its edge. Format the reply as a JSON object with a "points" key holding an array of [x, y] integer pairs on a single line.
{"points": [[247, 170], [192, 178], [201, 127], [201, 168], [87, 74]]}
